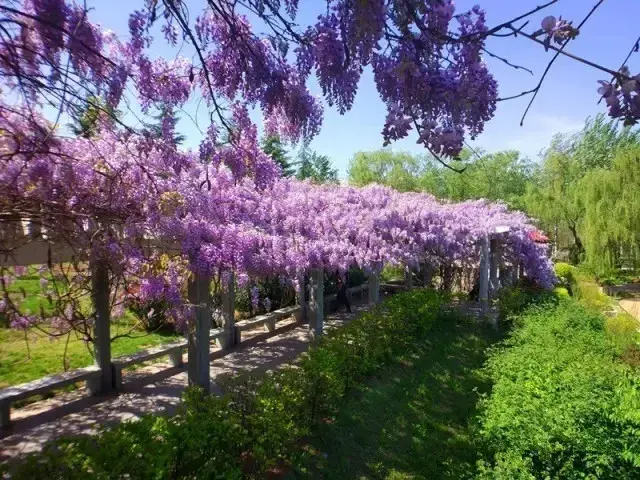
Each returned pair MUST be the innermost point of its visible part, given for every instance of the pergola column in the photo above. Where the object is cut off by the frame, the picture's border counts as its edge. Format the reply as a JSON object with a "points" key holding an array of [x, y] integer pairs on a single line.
{"points": [[495, 260], [374, 288], [102, 330], [316, 304], [199, 298], [408, 277], [301, 300], [228, 293], [484, 274]]}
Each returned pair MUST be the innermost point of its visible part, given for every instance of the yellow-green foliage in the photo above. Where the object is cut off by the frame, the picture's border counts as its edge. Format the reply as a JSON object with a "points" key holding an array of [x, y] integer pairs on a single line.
{"points": [[623, 329], [391, 272], [565, 272]]}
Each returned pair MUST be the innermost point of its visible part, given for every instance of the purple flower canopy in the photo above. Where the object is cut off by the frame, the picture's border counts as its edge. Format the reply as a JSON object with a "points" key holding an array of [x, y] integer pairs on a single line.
{"points": [[224, 208]]}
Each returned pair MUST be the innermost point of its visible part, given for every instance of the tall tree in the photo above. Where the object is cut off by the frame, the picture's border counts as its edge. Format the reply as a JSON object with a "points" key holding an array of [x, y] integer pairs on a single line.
{"points": [[165, 124], [315, 167], [399, 170], [611, 225], [596, 145], [499, 176], [85, 123], [553, 198], [272, 146], [558, 197]]}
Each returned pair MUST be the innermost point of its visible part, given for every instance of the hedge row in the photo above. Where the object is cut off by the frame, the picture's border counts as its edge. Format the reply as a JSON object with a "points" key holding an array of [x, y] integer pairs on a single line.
{"points": [[563, 404], [258, 423]]}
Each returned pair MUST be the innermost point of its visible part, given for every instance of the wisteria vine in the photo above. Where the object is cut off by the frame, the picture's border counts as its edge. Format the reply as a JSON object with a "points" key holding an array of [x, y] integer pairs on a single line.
{"points": [[156, 213]]}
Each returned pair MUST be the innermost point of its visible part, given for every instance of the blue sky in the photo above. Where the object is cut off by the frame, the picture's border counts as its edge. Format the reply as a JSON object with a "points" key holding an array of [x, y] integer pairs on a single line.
{"points": [[568, 95]]}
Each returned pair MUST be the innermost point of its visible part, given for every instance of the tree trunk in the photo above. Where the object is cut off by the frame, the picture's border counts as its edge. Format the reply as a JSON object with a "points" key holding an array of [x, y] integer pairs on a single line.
{"points": [[576, 253]]}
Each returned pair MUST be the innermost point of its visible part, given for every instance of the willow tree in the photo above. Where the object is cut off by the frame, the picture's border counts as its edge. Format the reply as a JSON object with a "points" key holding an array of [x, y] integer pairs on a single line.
{"points": [[611, 200], [399, 170], [553, 198]]}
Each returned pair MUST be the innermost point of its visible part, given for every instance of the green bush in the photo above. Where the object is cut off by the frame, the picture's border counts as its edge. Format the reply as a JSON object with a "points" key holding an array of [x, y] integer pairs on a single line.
{"points": [[563, 405], [392, 272], [566, 275], [259, 420], [514, 300]]}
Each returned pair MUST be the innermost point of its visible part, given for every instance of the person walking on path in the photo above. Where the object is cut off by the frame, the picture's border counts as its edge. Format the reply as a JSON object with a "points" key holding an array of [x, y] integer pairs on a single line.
{"points": [[341, 297]]}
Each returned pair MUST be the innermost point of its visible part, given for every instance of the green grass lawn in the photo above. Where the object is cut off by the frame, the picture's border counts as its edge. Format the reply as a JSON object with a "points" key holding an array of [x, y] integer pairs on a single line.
{"points": [[20, 363], [414, 420], [27, 293], [46, 356]]}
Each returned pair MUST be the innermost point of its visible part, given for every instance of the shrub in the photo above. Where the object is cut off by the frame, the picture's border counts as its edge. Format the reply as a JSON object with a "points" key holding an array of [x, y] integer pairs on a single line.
{"points": [[566, 275], [392, 272], [562, 404], [623, 329], [258, 421], [514, 300]]}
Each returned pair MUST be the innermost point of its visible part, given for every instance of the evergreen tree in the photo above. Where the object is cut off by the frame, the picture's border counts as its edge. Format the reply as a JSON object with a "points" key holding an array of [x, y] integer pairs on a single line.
{"points": [[85, 124], [315, 167], [272, 146], [166, 114]]}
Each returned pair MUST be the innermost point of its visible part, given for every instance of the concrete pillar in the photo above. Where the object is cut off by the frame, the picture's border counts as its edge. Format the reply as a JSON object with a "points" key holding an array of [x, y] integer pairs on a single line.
{"points": [[199, 298], [484, 274], [520, 270], [316, 304], [374, 288], [100, 294], [301, 300], [408, 277], [427, 274], [228, 293], [495, 260]]}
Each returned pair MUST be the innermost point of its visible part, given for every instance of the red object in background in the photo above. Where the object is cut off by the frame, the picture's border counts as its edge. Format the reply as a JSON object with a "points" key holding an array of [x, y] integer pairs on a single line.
{"points": [[538, 237]]}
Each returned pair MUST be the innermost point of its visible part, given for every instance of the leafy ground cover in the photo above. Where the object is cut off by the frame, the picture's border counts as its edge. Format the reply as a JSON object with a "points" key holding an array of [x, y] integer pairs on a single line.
{"points": [[414, 420], [564, 402]]}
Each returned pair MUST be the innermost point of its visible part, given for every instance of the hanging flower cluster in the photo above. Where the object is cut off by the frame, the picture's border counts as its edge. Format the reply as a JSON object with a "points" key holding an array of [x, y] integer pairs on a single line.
{"points": [[157, 214]]}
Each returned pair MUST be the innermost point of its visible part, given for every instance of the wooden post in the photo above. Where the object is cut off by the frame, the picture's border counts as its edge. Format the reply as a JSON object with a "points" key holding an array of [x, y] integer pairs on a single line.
{"points": [[408, 277], [316, 305], [228, 340], [199, 298], [301, 300], [102, 329], [495, 254], [374, 288], [484, 275]]}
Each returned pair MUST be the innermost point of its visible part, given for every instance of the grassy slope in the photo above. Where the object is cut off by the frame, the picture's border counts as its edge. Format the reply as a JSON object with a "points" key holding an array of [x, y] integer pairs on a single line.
{"points": [[413, 421]]}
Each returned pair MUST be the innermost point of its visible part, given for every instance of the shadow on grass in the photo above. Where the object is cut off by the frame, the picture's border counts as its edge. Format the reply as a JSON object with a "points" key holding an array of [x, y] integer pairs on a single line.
{"points": [[413, 421]]}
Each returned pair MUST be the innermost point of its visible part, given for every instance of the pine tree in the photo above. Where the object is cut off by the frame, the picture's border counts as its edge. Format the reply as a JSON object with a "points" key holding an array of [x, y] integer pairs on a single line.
{"points": [[86, 123], [272, 146], [315, 167], [166, 113]]}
